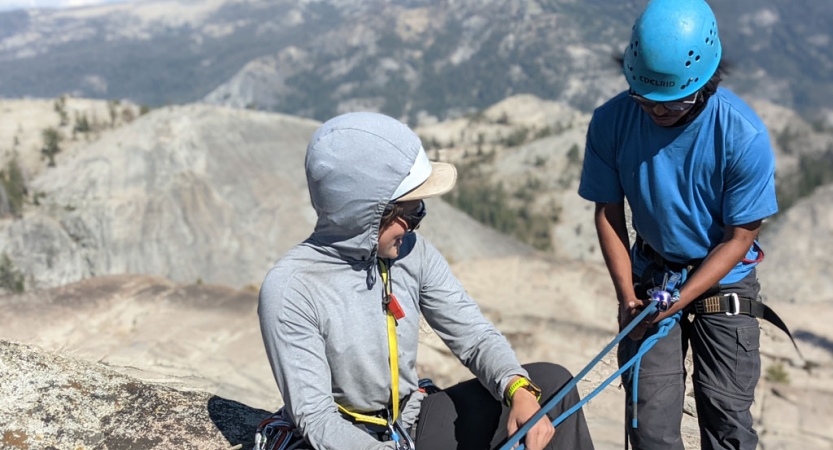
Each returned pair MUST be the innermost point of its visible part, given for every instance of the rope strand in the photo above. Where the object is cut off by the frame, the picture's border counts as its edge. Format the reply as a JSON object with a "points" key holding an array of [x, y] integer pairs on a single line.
{"points": [[515, 438], [664, 327]]}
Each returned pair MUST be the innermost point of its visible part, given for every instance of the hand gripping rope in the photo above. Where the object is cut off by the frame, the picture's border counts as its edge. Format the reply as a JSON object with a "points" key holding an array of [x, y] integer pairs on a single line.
{"points": [[660, 301]]}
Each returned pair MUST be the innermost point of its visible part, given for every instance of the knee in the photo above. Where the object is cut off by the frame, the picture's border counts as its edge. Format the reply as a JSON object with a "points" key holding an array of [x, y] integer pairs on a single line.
{"points": [[548, 376]]}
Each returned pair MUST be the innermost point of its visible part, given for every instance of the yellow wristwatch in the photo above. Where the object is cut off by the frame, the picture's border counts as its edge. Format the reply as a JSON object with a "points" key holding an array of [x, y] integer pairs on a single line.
{"points": [[522, 383]]}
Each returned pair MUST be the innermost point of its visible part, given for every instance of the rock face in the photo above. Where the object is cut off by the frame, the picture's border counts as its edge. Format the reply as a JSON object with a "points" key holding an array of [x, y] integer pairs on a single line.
{"points": [[78, 121], [207, 338], [51, 402], [188, 193], [798, 245], [198, 336]]}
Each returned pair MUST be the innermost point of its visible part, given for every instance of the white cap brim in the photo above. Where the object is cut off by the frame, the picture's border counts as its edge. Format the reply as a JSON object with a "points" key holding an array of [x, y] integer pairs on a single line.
{"points": [[442, 179]]}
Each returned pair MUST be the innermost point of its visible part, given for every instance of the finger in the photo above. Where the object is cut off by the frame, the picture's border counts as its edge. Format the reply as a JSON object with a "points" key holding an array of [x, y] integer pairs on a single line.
{"points": [[532, 440], [541, 434], [512, 427]]}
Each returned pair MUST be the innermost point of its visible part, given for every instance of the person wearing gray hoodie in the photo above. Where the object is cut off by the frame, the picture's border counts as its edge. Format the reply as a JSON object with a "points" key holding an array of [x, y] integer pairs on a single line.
{"points": [[340, 310]]}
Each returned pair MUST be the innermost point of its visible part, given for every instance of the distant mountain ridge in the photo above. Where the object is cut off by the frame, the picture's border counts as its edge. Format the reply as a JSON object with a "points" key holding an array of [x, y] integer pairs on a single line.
{"points": [[410, 59]]}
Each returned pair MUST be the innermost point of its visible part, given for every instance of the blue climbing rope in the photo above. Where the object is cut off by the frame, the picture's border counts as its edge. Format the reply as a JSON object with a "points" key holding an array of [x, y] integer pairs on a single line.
{"points": [[664, 327]]}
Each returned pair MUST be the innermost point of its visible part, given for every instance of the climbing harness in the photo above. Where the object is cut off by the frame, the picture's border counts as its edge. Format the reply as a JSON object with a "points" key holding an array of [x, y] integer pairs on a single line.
{"points": [[664, 327], [276, 432], [732, 305], [714, 302], [393, 423], [663, 297]]}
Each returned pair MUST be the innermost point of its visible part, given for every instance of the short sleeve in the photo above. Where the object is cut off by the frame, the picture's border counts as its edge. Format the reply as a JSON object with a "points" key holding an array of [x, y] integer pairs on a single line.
{"points": [[600, 174], [750, 183]]}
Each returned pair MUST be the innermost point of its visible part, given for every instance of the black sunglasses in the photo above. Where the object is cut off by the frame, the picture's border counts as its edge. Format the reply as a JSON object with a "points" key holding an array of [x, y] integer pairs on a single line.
{"points": [[676, 105], [413, 218]]}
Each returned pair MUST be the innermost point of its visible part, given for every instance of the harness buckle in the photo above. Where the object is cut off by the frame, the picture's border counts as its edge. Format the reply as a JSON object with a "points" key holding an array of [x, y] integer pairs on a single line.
{"points": [[735, 303]]}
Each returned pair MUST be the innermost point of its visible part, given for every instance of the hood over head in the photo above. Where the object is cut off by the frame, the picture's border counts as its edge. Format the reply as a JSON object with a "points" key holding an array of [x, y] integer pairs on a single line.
{"points": [[356, 164]]}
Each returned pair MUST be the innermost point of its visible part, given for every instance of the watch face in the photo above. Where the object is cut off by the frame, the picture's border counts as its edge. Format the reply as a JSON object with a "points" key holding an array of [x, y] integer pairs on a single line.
{"points": [[533, 389]]}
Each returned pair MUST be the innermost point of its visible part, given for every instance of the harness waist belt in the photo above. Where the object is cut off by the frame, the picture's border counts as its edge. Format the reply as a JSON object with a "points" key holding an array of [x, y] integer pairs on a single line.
{"points": [[654, 256], [732, 305]]}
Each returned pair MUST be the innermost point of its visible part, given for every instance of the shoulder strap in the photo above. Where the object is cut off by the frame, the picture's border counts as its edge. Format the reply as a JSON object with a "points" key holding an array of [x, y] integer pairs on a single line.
{"points": [[392, 345], [394, 357]]}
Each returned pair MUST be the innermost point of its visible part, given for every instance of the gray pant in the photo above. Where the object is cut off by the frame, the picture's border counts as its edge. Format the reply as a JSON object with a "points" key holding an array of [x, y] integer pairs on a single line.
{"points": [[727, 366]]}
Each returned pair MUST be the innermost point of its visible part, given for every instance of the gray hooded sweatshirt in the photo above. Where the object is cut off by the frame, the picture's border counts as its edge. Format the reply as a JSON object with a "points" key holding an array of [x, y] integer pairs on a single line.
{"points": [[320, 309]]}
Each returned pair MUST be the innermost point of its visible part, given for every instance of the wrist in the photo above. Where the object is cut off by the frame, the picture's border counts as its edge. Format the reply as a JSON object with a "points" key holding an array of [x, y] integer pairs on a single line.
{"points": [[523, 397], [519, 386]]}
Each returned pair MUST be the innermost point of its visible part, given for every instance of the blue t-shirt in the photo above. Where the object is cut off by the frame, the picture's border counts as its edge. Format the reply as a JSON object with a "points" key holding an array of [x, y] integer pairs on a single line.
{"points": [[684, 183]]}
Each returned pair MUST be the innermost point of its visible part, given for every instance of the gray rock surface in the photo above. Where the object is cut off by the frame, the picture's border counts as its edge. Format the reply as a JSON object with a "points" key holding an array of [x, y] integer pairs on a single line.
{"points": [[799, 247], [189, 193], [199, 336], [48, 401], [207, 338]]}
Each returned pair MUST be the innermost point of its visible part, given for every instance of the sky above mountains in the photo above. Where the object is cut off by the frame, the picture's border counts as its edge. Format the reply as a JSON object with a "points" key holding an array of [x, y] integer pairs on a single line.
{"points": [[8, 5]]}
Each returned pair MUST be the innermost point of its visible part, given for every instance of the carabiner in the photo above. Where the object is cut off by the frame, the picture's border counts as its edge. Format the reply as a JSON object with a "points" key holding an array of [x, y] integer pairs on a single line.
{"points": [[400, 436]]}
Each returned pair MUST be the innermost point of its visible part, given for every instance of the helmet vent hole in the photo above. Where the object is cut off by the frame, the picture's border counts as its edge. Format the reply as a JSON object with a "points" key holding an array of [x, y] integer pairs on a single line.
{"points": [[634, 54], [707, 40], [697, 58], [634, 77], [688, 63], [691, 53], [697, 79], [636, 43]]}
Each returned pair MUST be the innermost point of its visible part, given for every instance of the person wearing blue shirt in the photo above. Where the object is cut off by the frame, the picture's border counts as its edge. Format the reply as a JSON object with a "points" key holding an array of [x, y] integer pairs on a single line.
{"points": [[695, 165]]}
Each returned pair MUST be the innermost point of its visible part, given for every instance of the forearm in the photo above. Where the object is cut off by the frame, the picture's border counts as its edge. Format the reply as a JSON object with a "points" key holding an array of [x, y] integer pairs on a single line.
{"points": [[458, 321], [613, 240], [717, 264]]}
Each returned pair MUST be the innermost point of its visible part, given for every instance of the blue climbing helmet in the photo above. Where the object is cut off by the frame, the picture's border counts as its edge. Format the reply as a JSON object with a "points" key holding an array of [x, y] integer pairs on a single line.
{"points": [[674, 49]]}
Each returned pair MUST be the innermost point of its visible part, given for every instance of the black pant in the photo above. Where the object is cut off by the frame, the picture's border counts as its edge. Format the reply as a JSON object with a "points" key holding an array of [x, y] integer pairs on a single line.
{"points": [[727, 366], [467, 417]]}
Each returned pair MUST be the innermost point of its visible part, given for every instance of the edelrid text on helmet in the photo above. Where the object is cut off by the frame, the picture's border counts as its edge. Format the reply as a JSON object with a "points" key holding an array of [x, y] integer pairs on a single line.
{"points": [[674, 49]]}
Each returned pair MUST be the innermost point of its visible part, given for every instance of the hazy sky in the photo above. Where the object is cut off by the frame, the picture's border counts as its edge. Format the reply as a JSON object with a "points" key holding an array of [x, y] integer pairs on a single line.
{"points": [[6, 5]]}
